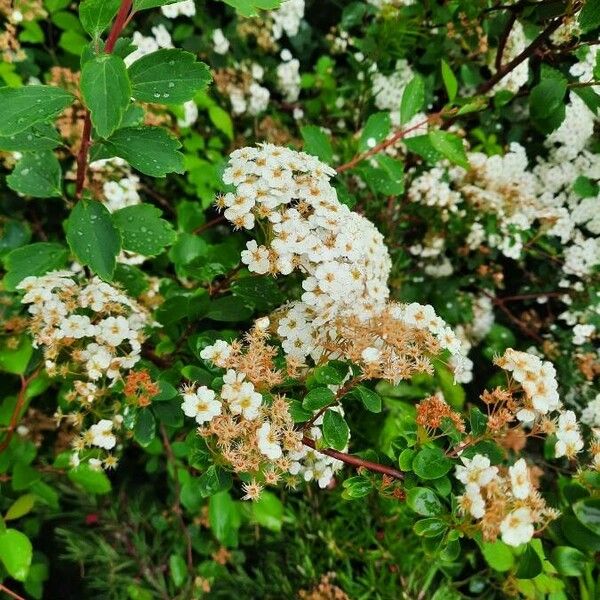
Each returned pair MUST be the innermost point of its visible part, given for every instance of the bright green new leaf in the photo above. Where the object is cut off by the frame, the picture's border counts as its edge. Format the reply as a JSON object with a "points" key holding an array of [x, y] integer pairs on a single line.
{"points": [[91, 480], [168, 76], [249, 8], [33, 259], [317, 142], [106, 91], [41, 136], [178, 569], [413, 99], [37, 174], [335, 430], [96, 15], [146, 4], [221, 120], [15, 553], [450, 81], [498, 555], [142, 229], [20, 507], [450, 146], [268, 511], [225, 518], [93, 238], [150, 150], [20, 108], [568, 561]]}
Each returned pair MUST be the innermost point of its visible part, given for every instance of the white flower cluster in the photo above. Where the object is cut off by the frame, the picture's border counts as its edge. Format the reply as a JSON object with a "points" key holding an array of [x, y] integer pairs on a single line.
{"points": [[91, 326], [382, 3], [515, 44], [186, 8], [220, 42], [288, 76], [252, 99], [121, 188], [478, 476], [569, 438], [287, 18], [147, 44], [341, 253], [591, 413]]}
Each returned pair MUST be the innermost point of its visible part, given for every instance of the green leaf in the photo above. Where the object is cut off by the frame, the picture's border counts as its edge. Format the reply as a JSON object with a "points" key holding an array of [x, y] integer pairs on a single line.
{"points": [[450, 146], [20, 507], [93, 238], [41, 136], [431, 463], [588, 513], [318, 398], [413, 98], [214, 480], [24, 476], [317, 142], [430, 527], [330, 374], [249, 8], [498, 555], [230, 309], [546, 104], [356, 487], [225, 518], [569, 562], [145, 4], [37, 174], [477, 421], [424, 502], [375, 130], [371, 400], [178, 569], [91, 480], [267, 511], [142, 229], [589, 17], [529, 564], [20, 108], [106, 91], [15, 553], [335, 430], [145, 427], [33, 259], [450, 81], [150, 150], [96, 15], [220, 118], [15, 360], [168, 76]]}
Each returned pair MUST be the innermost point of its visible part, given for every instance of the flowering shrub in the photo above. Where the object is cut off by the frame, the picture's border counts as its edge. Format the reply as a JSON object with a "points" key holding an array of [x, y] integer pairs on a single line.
{"points": [[300, 300]]}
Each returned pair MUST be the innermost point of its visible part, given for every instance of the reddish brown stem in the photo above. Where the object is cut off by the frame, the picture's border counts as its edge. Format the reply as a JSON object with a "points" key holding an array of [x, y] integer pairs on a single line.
{"points": [[16, 413], [209, 224], [10, 593], [121, 20], [355, 461], [389, 141], [512, 17]]}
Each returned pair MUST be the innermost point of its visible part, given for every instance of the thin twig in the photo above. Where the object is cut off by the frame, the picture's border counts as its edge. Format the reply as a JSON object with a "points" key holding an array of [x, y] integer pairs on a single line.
{"points": [[209, 224], [121, 20], [355, 461], [517, 60], [503, 39], [398, 135], [14, 418], [10, 593]]}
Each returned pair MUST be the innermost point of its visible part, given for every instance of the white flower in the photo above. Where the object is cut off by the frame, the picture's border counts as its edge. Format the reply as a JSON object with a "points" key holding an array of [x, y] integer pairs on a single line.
{"points": [[113, 330], [519, 480], [256, 257], [370, 354], [472, 501], [76, 327], [268, 442], [95, 464], [247, 402], [476, 470], [220, 42], [517, 527], [101, 434], [216, 353], [201, 405]]}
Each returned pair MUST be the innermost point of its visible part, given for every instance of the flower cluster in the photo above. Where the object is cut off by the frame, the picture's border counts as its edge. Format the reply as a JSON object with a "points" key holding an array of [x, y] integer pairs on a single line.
{"points": [[505, 504], [86, 327]]}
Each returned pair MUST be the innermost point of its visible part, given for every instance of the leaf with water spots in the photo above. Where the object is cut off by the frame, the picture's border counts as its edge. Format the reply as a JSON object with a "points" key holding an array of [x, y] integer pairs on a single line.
{"points": [[23, 107], [150, 150], [168, 76], [106, 91], [41, 136], [142, 229], [93, 237], [37, 174]]}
